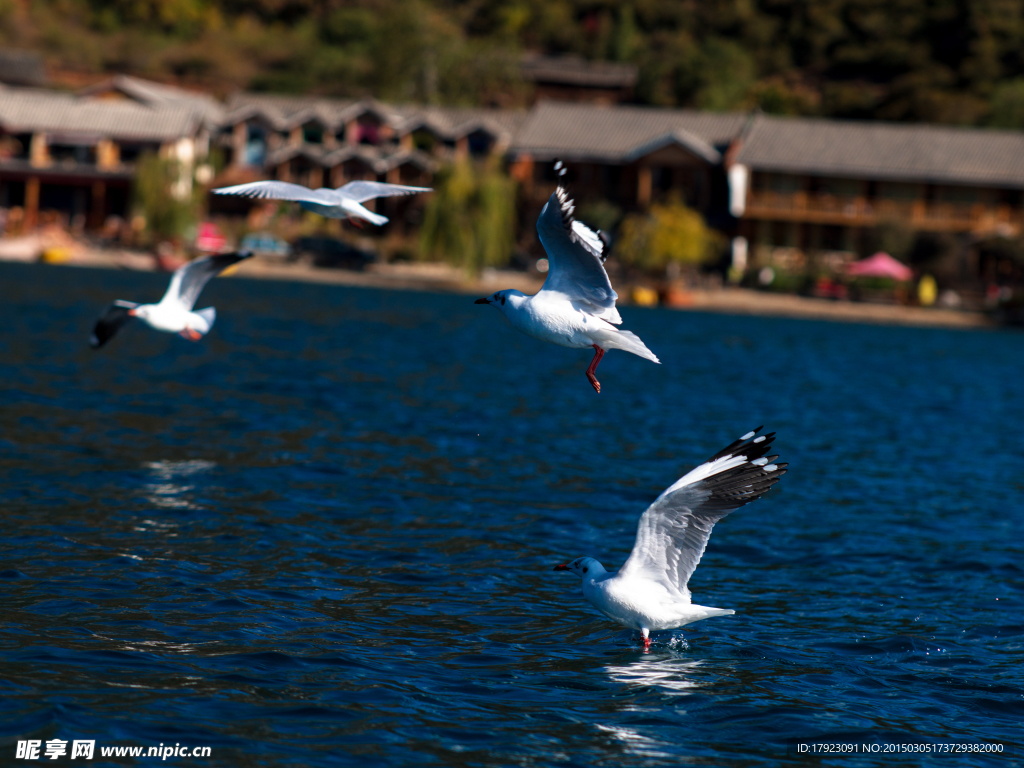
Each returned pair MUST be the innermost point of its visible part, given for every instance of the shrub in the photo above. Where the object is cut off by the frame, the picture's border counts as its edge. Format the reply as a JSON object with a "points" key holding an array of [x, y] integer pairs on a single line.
{"points": [[164, 197], [666, 234], [470, 219]]}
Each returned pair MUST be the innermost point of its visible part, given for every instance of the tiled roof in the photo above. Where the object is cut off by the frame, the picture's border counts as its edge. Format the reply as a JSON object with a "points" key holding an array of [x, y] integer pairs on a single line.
{"points": [[24, 110], [572, 70], [456, 122], [285, 112], [156, 95], [614, 134], [695, 144], [380, 160], [21, 67], [884, 151], [573, 131], [421, 160]]}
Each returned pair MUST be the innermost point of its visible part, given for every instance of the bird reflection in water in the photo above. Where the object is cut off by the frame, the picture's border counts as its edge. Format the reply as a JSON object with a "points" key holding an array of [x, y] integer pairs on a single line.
{"points": [[668, 675], [168, 492]]}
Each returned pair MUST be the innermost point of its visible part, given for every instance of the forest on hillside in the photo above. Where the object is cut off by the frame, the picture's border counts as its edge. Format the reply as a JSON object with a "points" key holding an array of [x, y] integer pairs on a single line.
{"points": [[942, 61]]}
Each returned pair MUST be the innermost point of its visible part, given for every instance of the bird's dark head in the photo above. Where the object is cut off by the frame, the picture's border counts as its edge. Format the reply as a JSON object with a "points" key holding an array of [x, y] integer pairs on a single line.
{"points": [[495, 298], [584, 567], [507, 299]]}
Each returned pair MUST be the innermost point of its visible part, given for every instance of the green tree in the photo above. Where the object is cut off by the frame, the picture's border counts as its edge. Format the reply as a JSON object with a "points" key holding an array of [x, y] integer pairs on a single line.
{"points": [[666, 234], [470, 219], [165, 197], [1008, 105], [891, 236]]}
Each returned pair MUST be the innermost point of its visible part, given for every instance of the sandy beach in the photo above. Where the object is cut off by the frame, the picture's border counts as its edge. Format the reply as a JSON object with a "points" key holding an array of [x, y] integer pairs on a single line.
{"points": [[740, 301], [445, 278]]}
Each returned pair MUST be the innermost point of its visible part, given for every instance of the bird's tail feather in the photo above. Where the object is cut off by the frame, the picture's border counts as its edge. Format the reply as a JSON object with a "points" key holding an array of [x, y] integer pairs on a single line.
{"points": [[209, 314], [615, 338], [706, 612], [375, 218]]}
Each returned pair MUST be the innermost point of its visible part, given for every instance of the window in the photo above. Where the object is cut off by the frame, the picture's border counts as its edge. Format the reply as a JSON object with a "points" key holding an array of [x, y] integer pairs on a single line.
{"points": [[661, 178], [255, 144], [480, 143], [897, 190], [368, 128], [14, 147], [423, 140], [312, 134], [130, 153], [72, 154]]}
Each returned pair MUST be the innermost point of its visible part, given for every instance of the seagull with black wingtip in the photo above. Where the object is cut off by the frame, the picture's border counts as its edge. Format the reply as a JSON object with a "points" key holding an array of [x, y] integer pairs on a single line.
{"points": [[173, 313], [575, 307], [650, 591]]}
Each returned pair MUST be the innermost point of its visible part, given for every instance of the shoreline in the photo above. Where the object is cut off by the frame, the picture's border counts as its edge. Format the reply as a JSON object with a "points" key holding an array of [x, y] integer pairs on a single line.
{"points": [[442, 278]]}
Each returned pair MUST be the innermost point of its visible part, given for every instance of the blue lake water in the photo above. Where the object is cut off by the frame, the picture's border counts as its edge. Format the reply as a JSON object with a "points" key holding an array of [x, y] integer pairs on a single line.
{"points": [[324, 535]]}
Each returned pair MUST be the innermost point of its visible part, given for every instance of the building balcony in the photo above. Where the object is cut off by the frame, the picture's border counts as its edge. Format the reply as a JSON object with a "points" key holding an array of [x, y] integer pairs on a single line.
{"points": [[65, 168], [935, 216]]}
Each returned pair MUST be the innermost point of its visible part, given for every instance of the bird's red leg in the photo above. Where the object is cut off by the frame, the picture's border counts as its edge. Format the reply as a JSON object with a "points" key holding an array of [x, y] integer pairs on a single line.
{"points": [[598, 354], [354, 222], [647, 644]]}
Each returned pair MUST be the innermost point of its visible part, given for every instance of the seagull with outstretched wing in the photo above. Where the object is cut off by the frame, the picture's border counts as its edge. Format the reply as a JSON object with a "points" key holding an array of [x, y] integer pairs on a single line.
{"points": [[650, 591], [174, 312], [576, 305], [342, 203]]}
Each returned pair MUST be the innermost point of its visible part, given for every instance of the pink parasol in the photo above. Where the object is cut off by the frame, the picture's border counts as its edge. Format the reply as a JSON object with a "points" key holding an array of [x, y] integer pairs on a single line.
{"points": [[210, 239], [880, 265]]}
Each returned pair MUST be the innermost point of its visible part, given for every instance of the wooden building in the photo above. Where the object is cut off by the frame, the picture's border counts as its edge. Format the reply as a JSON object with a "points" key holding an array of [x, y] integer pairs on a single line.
{"points": [[75, 153]]}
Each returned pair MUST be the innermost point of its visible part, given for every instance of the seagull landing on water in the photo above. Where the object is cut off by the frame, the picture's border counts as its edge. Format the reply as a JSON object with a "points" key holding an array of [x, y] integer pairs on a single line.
{"points": [[342, 203], [649, 592], [576, 305], [174, 312]]}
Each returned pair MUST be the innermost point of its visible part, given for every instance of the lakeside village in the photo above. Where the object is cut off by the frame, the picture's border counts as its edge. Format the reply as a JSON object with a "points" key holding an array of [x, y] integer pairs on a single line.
{"points": [[120, 173]]}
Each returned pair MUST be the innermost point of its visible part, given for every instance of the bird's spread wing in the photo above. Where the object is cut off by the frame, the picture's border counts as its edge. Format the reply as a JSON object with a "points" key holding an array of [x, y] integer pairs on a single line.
{"points": [[281, 190], [110, 322], [361, 191], [675, 529], [576, 257], [187, 281]]}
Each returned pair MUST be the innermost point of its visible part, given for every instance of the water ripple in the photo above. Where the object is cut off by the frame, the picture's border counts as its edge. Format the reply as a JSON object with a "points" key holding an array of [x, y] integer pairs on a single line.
{"points": [[324, 536]]}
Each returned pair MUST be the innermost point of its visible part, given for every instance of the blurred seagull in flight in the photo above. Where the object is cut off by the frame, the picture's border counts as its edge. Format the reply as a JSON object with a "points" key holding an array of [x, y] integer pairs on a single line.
{"points": [[576, 305], [174, 312], [649, 592], [341, 203]]}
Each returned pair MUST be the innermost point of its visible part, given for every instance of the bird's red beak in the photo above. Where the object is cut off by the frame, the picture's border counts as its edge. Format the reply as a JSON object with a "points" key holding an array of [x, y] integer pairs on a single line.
{"points": [[562, 567], [131, 313]]}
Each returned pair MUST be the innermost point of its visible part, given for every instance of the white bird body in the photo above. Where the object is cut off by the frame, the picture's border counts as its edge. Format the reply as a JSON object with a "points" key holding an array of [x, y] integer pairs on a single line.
{"points": [[642, 603], [174, 313], [345, 209], [345, 202], [650, 592], [174, 318], [575, 307], [550, 317]]}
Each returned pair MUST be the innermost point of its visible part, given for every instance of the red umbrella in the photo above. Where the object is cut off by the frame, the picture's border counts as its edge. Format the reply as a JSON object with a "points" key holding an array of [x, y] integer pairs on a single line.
{"points": [[880, 265], [210, 239]]}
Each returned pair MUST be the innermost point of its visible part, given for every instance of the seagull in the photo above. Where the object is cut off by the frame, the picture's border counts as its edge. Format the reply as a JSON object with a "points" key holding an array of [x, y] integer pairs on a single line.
{"points": [[649, 592], [341, 203], [174, 312], [576, 305]]}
